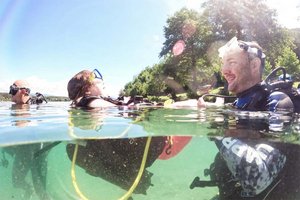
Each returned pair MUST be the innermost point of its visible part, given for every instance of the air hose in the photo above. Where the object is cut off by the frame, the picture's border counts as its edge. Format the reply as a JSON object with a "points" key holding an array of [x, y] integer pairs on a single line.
{"points": [[140, 173], [79, 193], [136, 181], [131, 189]]}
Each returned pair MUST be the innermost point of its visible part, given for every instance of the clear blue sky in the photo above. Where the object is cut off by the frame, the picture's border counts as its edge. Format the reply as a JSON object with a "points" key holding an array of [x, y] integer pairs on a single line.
{"points": [[48, 41]]}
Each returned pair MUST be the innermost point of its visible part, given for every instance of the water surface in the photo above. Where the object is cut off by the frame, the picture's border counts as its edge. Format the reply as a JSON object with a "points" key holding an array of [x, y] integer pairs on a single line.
{"points": [[38, 145]]}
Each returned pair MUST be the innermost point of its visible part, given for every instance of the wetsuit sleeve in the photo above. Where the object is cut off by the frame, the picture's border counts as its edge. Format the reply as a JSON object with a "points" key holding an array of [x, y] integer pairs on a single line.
{"points": [[279, 101], [255, 168]]}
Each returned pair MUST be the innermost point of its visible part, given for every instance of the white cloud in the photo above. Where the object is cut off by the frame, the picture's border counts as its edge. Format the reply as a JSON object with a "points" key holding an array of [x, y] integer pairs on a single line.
{"points": [[112, 90], [58, 88]]}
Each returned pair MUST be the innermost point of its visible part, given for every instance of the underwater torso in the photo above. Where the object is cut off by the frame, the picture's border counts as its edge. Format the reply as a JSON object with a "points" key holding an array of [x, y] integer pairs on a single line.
{"points": [[260, 179]]}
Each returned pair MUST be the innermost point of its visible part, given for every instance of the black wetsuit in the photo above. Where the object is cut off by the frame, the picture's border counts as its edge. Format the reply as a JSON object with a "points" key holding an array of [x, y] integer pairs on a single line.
{"points": [[117, 160], [256, 169], [37, 99], [258, 98], [86, 100], [25, 161]]}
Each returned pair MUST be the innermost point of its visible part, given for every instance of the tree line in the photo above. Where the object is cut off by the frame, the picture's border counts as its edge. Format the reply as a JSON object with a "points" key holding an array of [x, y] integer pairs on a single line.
{"points": [[189, 57], [7, 97]]}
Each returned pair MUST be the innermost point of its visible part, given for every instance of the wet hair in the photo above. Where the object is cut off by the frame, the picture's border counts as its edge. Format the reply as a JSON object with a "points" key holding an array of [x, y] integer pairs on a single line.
{"points": [[82, 85]]}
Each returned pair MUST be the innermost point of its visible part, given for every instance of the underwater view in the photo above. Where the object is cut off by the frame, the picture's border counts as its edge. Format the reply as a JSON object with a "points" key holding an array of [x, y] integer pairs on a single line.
{"points": [[150, 100], [53, 151]]}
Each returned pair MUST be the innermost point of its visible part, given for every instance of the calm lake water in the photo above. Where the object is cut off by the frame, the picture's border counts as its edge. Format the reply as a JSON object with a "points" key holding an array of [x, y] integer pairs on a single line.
{"points": [[108, 148]]}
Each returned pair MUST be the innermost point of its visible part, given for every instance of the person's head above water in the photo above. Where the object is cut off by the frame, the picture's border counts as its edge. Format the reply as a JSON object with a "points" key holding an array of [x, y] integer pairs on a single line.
{"points": [[85, 83], [242, 64], [86, 89], [19, 91]]}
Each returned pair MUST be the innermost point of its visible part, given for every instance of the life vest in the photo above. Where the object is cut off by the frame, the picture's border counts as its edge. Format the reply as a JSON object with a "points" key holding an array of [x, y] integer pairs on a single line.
{"points": [[175, 146], [37, 99], [285, 85], [267, 94]]}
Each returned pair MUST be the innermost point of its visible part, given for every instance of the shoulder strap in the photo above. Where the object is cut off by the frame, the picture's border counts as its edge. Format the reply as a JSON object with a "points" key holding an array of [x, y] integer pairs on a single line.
{"points": [[84, 101], [295, 97], [37, 99]]}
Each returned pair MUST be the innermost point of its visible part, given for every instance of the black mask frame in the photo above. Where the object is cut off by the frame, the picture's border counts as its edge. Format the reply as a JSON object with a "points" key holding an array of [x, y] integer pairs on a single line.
{"points": [[13, 89]]}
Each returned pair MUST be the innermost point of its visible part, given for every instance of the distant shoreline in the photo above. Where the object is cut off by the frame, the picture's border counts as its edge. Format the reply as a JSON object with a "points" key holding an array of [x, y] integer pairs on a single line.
{"points": [[7, 97]]}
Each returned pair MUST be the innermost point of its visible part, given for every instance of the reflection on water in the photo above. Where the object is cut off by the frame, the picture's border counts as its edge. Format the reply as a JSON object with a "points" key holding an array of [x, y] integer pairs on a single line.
{"points": [[57, 152]]}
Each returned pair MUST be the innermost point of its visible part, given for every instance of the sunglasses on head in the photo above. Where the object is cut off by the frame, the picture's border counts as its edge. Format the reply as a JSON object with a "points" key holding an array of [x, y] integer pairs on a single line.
{"points": [[253, 50], [13, 89], [243, 45], [97, 74]]}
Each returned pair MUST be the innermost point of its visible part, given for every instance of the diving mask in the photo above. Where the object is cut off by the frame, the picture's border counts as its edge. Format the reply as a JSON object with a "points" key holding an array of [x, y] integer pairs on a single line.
{"points": [[234, 43], [13, 89]]}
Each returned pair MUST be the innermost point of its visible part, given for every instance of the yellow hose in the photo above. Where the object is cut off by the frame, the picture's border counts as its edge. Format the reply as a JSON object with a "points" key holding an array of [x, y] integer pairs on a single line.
{"points": [[136, 181], [140, 173], [73, 176], [79, 193]]}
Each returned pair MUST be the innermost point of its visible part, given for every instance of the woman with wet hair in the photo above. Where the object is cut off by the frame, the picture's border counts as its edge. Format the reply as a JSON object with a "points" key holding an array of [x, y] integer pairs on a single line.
{"points": [[115, 160], [86, 89]]}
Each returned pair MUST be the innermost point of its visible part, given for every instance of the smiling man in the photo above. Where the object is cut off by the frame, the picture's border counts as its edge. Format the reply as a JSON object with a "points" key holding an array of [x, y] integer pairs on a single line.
{"points": [[257, 166], [242, 66], [241, 69]]}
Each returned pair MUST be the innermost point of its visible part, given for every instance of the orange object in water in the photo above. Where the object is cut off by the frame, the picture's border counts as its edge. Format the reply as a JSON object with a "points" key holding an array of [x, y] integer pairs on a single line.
{"points": [[175, 145]]}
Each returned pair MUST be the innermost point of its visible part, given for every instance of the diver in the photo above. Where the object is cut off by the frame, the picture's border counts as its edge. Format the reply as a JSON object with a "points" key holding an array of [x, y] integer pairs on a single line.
{"points": [[21, 94], [86, 89], [115, 160], [245, 168], [24, 159]]}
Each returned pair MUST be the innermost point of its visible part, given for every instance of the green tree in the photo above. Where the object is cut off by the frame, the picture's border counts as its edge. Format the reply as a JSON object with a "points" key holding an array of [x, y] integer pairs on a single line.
{"points": [[289, 60], [190, 56], [249, 21], [187, 37], [149, 82], [296, 35], [156, 83]]}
